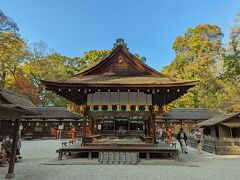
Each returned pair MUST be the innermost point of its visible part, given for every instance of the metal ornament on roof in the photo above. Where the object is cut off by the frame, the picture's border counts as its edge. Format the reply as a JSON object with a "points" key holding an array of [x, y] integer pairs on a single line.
{"points": [[137, 108], [146, 108], [91, 107], [128, 107], [100, 108], [155, 108], [109, 107], [120, 41], [119, 107]]}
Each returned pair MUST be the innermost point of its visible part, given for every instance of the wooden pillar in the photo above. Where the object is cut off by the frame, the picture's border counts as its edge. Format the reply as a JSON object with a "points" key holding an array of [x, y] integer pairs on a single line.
{"points": [[93, 126], [11, 173], [44, 129], [154, 128], [89, 155], [147, 155], [84, 129], [148, 127], [90, 126], [145, 125], [84, 118], [128, 124], [231, 132], [114, 126]]}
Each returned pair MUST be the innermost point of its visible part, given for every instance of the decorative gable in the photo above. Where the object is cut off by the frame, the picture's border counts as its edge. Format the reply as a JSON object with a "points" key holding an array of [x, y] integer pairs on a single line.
{"points": [[120, 62]]}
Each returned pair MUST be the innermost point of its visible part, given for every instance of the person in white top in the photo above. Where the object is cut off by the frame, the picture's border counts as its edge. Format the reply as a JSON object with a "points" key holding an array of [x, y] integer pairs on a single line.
{"points": [[198, 136]]}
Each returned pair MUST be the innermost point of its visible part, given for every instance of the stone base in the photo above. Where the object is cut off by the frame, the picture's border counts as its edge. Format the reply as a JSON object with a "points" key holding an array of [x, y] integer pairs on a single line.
{"points": [[10, 175]]}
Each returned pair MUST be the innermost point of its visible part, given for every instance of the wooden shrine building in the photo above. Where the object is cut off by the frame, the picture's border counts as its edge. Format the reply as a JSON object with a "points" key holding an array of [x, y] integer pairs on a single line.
{"points": [[221, 134], [186, 118], [40, 122], [12, 108], [119, 96]]}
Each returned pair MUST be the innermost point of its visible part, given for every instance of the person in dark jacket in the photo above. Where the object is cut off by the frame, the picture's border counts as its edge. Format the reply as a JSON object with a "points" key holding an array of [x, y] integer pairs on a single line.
{"points": [[182, 139]]}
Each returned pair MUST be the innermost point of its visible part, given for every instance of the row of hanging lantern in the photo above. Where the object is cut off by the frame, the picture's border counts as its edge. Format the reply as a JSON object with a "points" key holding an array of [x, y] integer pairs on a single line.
{"points": [[89, 90]]}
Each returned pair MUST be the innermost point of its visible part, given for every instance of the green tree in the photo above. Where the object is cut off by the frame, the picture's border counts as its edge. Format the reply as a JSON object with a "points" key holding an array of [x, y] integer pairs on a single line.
{"points": [[231, 72], [13, 53], [199, 57], [45, 64], [232, 53]]}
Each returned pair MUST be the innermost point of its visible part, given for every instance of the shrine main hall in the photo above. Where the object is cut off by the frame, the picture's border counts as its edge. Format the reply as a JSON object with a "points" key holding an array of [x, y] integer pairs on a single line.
{"points": [[118, 98]]}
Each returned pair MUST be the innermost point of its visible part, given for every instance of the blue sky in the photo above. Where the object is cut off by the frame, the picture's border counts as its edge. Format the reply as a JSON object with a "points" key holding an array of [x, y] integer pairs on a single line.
{"points": [[149, 27]]}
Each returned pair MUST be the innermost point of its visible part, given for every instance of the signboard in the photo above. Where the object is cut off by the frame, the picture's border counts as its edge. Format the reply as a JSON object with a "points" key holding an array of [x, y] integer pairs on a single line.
{"points": [[60, 127]]}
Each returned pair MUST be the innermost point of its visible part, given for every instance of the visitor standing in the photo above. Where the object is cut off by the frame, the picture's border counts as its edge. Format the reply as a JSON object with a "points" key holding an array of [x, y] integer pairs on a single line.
{"points": [[198, 136], [182, 138], [73, 133], [3, 157], [6, 145], [19, 145]]}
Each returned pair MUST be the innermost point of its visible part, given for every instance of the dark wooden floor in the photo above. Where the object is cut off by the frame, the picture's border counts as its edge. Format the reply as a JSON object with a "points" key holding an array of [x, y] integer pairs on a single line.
{"points": [[148, 149]]}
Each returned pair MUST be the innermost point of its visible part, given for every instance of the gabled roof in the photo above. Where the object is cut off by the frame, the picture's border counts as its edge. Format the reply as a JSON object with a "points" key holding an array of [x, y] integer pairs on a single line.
{"points": [[120, 67], [51, 113], [218, 119], [120, 71], [13, 105], [119, 55], [10, 97], [189, 114]]}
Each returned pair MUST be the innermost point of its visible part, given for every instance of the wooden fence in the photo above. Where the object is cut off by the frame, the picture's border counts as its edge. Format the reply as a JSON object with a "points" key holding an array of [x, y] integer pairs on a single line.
{"points": [[218, 146]]}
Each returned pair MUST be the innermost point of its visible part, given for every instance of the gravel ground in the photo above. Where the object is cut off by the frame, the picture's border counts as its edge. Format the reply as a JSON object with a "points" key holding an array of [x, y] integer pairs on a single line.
{"points": [[40, 163]]}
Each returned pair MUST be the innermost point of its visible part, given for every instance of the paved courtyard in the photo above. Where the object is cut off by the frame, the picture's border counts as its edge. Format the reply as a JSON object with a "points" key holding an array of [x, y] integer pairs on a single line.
{"points": [[40, 163]]}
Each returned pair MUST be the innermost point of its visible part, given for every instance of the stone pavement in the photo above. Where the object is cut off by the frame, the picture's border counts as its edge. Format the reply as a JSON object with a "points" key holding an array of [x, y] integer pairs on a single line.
{"points": [[40, 163]]}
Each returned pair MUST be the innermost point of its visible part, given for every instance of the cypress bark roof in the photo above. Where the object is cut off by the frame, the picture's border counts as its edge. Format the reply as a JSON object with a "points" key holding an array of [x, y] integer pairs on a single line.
{"points": [[189, 114], [51, 113], [127, 80], [120, 67], [218, 119], [13, 105], [16, 99]]}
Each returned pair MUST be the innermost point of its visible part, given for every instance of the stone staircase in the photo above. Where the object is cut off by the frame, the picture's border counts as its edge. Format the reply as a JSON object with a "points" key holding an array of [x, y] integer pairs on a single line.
{"points": [[118, 157]]}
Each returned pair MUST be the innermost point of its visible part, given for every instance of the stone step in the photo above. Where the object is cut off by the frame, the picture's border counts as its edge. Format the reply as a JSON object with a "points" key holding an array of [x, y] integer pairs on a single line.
{"points": [[119, 157]]}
